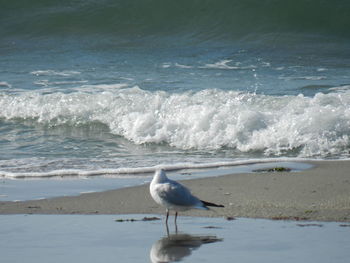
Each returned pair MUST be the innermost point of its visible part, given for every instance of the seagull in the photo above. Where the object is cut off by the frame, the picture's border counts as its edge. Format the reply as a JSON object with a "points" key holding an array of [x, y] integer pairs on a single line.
{"points": [[174, 196]]}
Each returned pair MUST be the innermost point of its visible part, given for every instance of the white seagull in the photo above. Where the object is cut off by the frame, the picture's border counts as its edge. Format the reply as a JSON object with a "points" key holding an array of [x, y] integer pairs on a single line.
{"points": [[174, 196]]}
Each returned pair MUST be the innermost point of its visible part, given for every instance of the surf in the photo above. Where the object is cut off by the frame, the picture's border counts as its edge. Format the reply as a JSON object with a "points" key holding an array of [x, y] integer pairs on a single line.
{"points": [[207, 120]]}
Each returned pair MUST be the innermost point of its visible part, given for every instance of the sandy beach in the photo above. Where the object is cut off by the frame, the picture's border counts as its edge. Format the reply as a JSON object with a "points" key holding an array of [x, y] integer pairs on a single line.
{"points": [[321, 193]]}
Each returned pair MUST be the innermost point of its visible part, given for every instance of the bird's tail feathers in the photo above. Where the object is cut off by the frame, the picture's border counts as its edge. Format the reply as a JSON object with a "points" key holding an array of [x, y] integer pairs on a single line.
{"points": [[205, 203]]}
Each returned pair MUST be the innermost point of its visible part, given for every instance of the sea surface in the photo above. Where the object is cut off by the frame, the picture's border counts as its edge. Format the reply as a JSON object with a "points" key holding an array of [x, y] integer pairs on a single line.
{"points": [[95, 87]]}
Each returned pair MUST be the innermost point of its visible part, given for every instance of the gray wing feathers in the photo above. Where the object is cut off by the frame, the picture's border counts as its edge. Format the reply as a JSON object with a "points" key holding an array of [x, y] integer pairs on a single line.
{"points": [[177, 194]]}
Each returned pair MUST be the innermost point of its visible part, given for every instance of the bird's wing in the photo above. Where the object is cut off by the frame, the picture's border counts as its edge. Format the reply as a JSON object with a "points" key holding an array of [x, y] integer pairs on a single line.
{"points": [[176, 194]]}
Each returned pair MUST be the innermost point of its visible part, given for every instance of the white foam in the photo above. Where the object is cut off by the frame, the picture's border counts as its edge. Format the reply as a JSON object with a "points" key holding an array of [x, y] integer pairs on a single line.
{"points": [[124, 171], [4, 84], [183, 66], [105, 86], [166, 65], [224, 64], [304, 78], [340, 88], [47, 83], [64, 73], [204, 120]]}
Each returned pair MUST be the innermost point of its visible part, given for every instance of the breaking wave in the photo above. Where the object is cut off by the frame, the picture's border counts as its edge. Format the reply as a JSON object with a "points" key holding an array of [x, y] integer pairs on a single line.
{"points": [[298, 126]]}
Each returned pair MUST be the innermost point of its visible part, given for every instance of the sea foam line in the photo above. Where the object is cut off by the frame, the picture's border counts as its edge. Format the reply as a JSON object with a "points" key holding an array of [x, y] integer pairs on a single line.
{"points": [[75, 173]]}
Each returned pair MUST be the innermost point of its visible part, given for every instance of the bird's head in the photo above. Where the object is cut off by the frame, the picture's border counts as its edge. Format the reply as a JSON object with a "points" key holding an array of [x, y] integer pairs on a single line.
{"points": [[160, 175]]}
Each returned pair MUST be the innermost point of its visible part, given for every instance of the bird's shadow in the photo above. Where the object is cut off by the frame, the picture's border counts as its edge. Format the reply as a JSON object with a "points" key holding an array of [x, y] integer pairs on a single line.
{"points": [[175, 247]]}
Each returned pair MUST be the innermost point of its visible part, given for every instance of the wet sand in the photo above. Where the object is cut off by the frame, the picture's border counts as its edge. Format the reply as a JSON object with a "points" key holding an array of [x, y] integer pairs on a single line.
{"points": [[321, 193], [103, 238]]}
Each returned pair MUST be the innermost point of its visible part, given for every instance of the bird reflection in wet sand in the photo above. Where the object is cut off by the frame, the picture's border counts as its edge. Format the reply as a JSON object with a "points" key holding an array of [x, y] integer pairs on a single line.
{"points": [[175, 247]]}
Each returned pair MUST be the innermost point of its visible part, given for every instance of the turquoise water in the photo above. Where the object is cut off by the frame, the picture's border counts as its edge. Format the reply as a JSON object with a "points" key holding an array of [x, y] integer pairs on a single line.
{"points": [[89, 87]]}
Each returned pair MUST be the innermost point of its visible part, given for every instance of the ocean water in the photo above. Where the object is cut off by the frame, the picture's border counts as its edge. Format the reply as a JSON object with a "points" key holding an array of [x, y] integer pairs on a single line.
{"points": [[121, 87]]}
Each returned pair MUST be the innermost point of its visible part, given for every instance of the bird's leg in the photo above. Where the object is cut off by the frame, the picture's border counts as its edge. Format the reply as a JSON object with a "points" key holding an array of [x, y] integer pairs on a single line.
{"points": [[167, 216], [167, 230], [166, 222], [175, 216], [175, 222]]}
